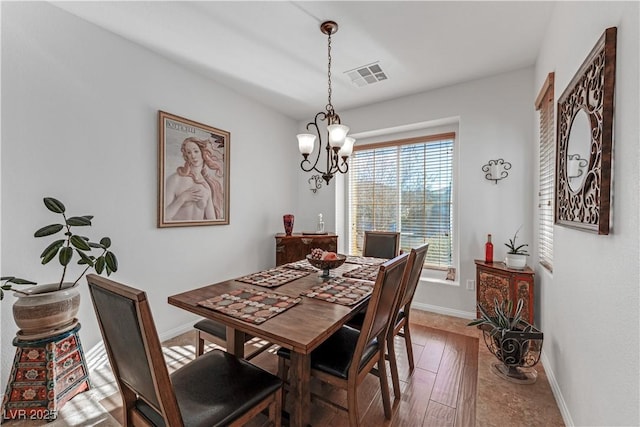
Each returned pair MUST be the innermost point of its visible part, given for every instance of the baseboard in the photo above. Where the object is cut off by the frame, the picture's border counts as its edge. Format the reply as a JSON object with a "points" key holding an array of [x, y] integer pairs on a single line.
{"points": [[444, 310], [557, 393]]}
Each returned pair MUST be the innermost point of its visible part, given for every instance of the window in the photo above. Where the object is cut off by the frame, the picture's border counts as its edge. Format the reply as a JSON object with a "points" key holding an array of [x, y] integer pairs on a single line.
{"points": [[406, 186], [544, 104]]}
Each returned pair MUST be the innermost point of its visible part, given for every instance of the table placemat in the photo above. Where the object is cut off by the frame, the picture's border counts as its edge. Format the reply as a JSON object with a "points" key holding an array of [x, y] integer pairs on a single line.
{"points": [[302, 265], [366, 272], [272, 277], [365, 260], [250, 305], [341, 291]]}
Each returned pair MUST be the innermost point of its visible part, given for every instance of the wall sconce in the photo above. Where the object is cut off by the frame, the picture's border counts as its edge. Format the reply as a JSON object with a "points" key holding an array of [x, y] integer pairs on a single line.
{"points": [[315, 182], [575, 165], [496, 170]]}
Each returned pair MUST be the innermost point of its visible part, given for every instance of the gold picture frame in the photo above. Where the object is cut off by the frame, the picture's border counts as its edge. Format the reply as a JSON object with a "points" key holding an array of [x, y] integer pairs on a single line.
{"points": [[193, 173], [585, 141]]}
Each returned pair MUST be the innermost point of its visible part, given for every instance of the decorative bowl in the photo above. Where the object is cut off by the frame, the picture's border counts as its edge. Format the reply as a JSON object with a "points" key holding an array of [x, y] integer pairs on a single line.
{"points": [[327, 264]]}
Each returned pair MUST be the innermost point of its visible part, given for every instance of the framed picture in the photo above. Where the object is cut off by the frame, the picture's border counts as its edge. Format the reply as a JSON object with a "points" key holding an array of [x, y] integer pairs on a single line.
{"points": [[585, 141], [193, 186]]}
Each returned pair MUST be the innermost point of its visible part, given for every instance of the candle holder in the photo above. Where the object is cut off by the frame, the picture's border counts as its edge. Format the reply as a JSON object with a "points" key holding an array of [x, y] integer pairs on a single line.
{"points": [[496, 170]]}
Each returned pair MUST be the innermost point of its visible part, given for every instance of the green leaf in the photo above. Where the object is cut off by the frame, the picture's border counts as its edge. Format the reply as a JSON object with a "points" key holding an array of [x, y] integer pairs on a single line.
{"points": [[51, 251], [106, 242], [111, 260], [54, 205], [1, 295], [80, 243], [84, 258], [99, 264], [9, 278], [95, 245], [48, 230], [78, 221], [65, 255]]}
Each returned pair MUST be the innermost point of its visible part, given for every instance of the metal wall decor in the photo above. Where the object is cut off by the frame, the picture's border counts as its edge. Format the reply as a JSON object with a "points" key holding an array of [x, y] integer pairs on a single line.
{"points": [[496, 170], [585, 126], [315, 183]]}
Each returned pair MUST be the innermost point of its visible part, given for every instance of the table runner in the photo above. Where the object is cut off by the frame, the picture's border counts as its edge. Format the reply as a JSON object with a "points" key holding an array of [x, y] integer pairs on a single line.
{"points": [[341, 291], [250, 305], [303, 265], [272, 277], [365, 260], [366, 272]]}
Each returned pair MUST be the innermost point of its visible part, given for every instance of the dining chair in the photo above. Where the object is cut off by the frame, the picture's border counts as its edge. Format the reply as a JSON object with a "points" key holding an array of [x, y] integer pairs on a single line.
{"points": [[347, 356], [215, 332], [401, 323], [381, 244], [216, 389]]}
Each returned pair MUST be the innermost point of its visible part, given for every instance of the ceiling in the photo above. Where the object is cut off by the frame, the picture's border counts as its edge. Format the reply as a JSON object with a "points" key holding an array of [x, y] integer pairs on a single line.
{"points": [[274, 52]]}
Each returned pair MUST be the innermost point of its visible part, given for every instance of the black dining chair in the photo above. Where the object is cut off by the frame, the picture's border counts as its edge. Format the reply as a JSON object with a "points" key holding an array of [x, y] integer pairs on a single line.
{"points": [[216, 389], [401, 323], [381, 244], [347, 356]]}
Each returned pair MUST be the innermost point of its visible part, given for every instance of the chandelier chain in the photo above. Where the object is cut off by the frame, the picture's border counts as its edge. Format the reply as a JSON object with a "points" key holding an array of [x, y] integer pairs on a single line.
{"points": [[329, 105]]}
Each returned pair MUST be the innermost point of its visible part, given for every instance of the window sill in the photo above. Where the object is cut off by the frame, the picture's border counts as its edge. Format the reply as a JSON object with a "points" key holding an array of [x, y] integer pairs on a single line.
{"points": [[436, 281]]}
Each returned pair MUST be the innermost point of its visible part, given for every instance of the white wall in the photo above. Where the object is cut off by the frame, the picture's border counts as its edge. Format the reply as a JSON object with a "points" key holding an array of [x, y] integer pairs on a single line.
{"points": [[589, 305], [79, 115], [495, 121]]}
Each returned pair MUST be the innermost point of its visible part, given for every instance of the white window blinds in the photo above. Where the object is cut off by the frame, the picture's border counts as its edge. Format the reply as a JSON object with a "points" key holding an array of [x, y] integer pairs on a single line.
{"points": [[544, 104], [405, 186]]}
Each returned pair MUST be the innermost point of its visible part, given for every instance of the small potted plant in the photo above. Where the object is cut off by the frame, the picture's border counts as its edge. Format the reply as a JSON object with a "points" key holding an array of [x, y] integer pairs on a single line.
{"points": [[516, 343], [516, 256], [51, 307]]}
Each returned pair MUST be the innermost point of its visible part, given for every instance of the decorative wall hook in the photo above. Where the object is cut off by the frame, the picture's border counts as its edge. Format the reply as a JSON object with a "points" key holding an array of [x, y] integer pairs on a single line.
{"points": [[575, 165], [496, 170], [315, 182]]}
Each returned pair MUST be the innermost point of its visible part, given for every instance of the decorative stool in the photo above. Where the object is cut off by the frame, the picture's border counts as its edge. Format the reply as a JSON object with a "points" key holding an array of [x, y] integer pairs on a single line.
{"points": [[46, 373]]}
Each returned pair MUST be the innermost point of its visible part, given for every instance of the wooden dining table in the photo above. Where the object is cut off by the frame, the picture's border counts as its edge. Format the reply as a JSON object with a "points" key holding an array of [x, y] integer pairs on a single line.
{"points": [[301, 328]]}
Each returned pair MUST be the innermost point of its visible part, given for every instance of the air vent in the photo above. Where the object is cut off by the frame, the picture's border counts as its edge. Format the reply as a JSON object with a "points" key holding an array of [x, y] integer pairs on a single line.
{"points": [[366, 75]]}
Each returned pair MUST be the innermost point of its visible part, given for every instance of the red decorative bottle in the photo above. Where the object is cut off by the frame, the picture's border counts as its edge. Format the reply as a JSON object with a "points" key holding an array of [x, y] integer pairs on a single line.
{"points": [[488, 250]]}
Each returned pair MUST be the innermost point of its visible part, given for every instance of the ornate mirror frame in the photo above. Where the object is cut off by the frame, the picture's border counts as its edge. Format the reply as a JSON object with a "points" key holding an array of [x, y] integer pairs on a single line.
{"points": [[591, 90]]}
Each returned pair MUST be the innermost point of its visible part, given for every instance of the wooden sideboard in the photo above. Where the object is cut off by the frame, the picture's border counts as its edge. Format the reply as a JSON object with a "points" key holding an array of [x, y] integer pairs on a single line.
{"points": [[298, 245], [496, 280]]}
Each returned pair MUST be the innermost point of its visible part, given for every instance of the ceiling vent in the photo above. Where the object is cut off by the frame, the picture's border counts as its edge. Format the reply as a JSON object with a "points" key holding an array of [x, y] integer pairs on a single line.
{"points": [[366, 75]]}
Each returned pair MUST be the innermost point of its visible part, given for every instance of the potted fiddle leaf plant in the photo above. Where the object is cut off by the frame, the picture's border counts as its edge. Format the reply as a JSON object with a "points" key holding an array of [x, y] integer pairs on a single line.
{"points": [[49, 308], [517, 255]]}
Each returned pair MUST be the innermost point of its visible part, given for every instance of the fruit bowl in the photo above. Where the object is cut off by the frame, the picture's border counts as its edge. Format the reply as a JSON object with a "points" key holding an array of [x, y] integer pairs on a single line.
{"points": [[327, 264]]}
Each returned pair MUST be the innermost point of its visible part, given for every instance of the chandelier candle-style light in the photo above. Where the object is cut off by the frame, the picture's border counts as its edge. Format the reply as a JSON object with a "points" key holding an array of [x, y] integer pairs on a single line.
{"points": [[339, 146]]}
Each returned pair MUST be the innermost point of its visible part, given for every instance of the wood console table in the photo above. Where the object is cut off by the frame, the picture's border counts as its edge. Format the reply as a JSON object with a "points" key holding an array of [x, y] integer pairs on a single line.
{"points": [[496, 280], [297, 246]]}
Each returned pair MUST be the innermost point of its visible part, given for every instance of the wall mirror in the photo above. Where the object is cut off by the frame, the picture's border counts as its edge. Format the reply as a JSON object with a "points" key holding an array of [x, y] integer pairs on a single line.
{"points": [[585, 141]]}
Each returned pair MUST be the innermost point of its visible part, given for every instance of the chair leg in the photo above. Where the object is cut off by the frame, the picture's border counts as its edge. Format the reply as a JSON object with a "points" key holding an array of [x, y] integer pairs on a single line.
{"points": [[393, 365], [275, 409], [199, 344], [407, 342], [384, 385], [283, 373], [352, 404]]}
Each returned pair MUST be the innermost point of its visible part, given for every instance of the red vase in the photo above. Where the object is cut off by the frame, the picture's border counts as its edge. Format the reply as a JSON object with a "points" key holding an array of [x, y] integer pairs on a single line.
{"points": [[288, 224]]}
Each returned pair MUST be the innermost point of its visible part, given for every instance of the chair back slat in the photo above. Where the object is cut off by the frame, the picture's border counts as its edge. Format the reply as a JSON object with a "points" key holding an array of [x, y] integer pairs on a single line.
{"points": [[133, 345], [414, 275], [381, 244], [383, 303]]}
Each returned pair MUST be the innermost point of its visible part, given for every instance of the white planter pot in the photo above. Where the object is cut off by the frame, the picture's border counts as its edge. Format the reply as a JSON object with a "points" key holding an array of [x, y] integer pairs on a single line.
{"points": [[516, 261], [46, 310]]}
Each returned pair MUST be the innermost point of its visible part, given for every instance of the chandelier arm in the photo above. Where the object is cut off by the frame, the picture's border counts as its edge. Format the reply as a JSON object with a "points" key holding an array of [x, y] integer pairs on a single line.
{"points": [[314, 124]]}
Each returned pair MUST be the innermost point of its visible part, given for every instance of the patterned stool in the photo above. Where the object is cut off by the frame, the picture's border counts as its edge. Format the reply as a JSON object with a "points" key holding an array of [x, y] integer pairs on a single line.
{"points": [[46, 373]]}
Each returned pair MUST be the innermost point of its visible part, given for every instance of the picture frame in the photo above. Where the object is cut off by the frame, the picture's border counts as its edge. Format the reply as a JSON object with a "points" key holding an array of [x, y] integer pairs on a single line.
{"points": [[585, 141], [193, 173]]}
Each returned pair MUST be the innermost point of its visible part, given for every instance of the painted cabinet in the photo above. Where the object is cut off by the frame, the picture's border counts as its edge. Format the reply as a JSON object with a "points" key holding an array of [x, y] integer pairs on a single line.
{"points": [[496, 280], [297, 246]]}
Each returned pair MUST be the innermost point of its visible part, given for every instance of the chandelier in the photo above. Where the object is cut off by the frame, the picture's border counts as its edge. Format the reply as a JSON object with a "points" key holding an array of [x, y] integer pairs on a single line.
{"points": [[338, 146]]}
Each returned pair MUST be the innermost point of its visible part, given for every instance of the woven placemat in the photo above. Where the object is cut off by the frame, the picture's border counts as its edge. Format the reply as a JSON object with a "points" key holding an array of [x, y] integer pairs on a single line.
{"points": [[302, 265], [366, 272], [365, 260], [272, 277], [250, 305], [341, 291]]}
